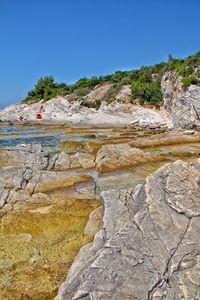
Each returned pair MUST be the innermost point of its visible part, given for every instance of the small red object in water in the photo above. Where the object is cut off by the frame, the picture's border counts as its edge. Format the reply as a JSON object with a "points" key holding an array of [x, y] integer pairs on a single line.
{"points": [[198, 154], [38, 116]]}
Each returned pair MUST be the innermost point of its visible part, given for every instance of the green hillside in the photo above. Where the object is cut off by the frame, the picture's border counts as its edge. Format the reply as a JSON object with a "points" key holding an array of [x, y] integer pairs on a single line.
{"points": [[145, 82]]}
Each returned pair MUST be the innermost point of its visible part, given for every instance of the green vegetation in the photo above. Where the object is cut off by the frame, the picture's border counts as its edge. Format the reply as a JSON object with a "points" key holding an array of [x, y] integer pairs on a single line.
{"points": [[188, 80], [145, 82], [147, 91]]}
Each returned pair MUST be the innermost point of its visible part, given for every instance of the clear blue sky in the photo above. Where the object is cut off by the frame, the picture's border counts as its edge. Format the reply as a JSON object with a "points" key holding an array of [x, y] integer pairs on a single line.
{"points": [[70, 39]]}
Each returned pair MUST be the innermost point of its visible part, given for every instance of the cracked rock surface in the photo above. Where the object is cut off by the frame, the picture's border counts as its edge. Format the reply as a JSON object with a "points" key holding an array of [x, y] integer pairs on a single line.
{"points": [[181, 103], [149, 245], [112, 157], [28, 171]]}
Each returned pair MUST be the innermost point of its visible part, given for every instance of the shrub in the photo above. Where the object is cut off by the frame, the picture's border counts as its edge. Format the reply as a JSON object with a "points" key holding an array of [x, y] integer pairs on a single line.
{"points": [[187, 81], [147, 92], [126, 81], [96, 104], [82, 91], [117, 76]]}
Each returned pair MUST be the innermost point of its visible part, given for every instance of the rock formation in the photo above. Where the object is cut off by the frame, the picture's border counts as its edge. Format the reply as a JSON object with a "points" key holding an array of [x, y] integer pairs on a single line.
{"points": [[148, 247], [43, 214], [29, 171], [114, 157], [72, 110], [183, 104]]}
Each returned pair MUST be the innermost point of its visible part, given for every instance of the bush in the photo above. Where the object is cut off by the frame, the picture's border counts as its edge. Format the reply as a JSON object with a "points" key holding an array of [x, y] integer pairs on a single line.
{"points": [[96, 104], [187, 81], [85, 82], [82, 91], [147, 92], [126, 81], [117, 76]]}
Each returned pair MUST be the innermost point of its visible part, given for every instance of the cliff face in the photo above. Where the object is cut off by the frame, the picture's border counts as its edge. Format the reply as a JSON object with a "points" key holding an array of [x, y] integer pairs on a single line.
{"points": [[182, 104]]}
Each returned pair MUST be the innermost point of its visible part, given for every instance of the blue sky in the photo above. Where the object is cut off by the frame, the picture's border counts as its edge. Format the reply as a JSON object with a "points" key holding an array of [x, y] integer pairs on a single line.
{"points": [[70, 39]]}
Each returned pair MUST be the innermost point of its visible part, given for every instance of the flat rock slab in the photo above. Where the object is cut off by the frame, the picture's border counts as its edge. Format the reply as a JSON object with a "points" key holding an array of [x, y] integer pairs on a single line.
{"points": [[114, 157], [151, 243]]}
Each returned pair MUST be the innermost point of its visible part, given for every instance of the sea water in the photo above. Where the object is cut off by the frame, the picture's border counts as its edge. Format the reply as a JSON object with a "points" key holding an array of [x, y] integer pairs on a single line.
{"points": [[14, 135]]}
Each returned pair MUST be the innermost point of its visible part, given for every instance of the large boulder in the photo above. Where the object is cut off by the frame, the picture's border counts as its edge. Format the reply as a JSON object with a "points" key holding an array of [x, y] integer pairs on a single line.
{"points": [[150, 242]]}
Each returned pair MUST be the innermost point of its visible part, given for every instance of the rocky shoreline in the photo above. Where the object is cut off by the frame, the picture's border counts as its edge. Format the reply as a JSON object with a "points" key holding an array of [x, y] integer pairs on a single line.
{"points": [[51, 207], [135, 241]]}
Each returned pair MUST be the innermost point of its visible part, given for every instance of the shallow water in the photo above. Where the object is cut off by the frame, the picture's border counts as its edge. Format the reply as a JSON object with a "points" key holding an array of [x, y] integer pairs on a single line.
{"points": [[48, 135], [38, 245]]}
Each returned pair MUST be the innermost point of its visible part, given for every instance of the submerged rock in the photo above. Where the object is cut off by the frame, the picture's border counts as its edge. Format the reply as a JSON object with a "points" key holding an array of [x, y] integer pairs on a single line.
{"points": [[150, 242]]}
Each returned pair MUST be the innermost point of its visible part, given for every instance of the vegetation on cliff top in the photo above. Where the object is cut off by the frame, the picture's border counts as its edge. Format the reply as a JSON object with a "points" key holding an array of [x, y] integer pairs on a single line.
{"points": [[145, 82]]}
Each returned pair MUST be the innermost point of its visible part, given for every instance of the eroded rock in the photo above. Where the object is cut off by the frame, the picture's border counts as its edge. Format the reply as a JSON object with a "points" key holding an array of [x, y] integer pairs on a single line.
{"points": [[114, 157], [151, 247], [64, 161], [180, 102], [43, 214]]}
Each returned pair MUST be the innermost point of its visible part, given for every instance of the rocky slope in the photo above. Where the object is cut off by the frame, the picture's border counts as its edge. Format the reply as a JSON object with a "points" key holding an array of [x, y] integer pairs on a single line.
{"points": [[180, 107], [70, 110], [148, 247]]}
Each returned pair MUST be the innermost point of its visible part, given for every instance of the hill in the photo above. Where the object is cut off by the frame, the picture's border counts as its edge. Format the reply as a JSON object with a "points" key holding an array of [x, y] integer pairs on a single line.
{"points": [[145, 83]]}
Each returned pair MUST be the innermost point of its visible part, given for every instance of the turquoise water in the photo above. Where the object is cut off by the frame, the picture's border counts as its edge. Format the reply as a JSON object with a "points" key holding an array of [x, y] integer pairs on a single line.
{"points": [[14, 135]]}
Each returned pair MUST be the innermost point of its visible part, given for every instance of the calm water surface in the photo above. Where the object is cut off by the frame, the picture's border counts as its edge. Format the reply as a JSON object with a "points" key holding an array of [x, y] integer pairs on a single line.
{"points": [[14, 135]]}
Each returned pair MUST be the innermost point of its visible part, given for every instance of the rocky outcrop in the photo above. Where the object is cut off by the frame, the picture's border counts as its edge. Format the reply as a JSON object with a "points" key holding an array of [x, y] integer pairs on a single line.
{"points": [[29, 171], [64, 161], [183, 104], [97, 93], [115, 109], [30, 155], [166, 139], [114, 157], [148, 247], [125, 94]]}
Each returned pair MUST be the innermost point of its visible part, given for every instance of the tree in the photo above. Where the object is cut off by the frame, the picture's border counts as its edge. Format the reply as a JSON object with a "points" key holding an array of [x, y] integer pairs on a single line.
{"points": [[45, 87]]}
